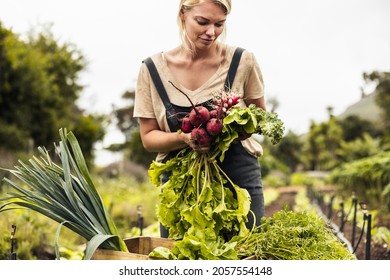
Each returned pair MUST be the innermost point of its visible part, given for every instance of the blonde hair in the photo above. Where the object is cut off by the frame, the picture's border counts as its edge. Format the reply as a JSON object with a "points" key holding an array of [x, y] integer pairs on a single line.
{"points": [[186, 5]]}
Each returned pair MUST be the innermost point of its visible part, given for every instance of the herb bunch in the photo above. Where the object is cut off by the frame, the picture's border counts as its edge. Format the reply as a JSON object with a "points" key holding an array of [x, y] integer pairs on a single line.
{"points": [[289, 235]]}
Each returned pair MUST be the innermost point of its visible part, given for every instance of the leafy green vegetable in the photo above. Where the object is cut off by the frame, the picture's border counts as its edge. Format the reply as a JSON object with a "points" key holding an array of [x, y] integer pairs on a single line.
{"points": [[195, 205], [198, 209], [208, 219], [64, 193], [250, 120]]}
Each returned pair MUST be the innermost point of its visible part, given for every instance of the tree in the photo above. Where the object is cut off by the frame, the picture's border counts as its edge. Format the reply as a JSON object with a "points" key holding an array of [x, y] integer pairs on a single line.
{"points": [[288, 151], [88, 132], [382, 87], [364, 146], [133, 147], [354, 127], [39, 87], [322, 144], [124, 116]]}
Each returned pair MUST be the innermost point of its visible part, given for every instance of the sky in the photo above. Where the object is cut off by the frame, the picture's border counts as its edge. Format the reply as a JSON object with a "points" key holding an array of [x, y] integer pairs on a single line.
{"points": [[312, 53]]}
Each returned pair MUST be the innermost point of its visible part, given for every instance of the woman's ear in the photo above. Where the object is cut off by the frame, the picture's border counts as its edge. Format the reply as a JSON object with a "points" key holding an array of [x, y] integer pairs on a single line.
{"points": [[182, 11]]}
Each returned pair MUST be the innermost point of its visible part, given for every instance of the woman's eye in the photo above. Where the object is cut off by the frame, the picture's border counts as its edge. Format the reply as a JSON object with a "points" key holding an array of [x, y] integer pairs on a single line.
{"points": [[202, 22]]}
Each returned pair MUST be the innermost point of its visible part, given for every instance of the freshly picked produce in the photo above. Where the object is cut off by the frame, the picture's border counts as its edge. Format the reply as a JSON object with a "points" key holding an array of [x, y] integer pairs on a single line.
{"points": [[196, 207], [289, 235], [223, 122], [65, 193], [207, 219]]}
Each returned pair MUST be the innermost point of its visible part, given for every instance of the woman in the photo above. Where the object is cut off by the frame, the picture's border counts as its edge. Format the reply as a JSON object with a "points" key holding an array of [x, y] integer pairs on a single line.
{"points": [[198, 67]]}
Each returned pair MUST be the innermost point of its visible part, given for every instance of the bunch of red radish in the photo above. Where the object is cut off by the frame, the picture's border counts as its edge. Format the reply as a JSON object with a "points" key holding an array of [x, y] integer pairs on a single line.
{"points": [[205, 124]]}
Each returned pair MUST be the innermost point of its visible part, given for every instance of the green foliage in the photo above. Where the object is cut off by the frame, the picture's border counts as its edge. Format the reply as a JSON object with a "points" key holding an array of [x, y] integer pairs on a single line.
{"points": [[64, 193], [354, 127], [13, 138], [36, 233], [274, 172], [271, 162], [322, 144], [382, 88], [250, 120], [270, 195], [353, 147], [287, 152], [275, 179], [289, 235], [196, 205], [369, 178], [136, 151], [39, 87], [308, 178], [123, 196], [381, 235], [89, 130], [128, 125], [382, 82], [125, 120], [361, 147], [301, 179]]}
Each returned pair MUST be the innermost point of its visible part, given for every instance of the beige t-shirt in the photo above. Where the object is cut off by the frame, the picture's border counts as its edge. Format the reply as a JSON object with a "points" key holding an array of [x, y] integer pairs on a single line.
{"points": [[248, 83]]}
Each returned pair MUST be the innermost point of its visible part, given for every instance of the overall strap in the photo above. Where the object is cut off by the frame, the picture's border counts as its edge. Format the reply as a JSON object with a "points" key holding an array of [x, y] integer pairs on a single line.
{"points": [[170, 111], [233, 68]]}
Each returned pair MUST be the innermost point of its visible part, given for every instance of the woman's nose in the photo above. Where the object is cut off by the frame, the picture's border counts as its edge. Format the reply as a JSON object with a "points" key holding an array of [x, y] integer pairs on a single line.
{"points": [[210, 30]]}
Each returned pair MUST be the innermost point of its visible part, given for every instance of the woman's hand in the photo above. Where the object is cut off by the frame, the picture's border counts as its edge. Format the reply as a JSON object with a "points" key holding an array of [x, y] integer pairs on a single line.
{"points": [[241, 137], [194, 145]]}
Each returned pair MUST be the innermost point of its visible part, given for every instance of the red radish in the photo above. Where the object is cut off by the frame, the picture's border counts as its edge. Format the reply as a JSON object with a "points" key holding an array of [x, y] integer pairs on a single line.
{"points": [[213, 113], [235, 99], [186, 125], [200, 136], [214, 126], [199, 115]]}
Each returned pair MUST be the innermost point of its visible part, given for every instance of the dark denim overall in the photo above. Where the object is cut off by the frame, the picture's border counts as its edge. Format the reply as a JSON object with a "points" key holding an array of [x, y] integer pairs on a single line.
{"points": [[241, 167]]}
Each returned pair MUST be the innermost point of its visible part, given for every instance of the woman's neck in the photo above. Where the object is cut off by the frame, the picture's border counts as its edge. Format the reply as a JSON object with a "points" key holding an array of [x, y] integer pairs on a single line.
{"points": [[201, 54]]}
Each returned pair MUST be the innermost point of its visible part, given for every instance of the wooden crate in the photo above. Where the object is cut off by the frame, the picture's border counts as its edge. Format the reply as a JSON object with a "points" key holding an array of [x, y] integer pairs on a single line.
{"points": [[139, 249]]}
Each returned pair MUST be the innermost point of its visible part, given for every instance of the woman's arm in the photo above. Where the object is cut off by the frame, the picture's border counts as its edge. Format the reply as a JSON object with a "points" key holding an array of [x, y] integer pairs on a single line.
{"points": [[260, 102], [155, 140]]}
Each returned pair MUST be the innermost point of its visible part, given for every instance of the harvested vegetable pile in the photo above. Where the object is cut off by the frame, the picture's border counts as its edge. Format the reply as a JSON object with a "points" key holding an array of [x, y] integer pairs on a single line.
{"points": [[195, 205], [289, 235], [208, 219]]}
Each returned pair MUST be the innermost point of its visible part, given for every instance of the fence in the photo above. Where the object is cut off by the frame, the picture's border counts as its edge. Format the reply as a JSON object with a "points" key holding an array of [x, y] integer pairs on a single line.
{"points": [[13, 243], [317, 198]]}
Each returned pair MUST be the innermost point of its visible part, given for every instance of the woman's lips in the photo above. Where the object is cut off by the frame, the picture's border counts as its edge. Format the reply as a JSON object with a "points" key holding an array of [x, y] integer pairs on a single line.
{"points": [[207, 40]]}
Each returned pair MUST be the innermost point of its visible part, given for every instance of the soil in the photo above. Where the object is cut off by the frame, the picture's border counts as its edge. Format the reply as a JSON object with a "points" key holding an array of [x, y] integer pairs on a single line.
{"points": [[286, 198], [362, 251]]}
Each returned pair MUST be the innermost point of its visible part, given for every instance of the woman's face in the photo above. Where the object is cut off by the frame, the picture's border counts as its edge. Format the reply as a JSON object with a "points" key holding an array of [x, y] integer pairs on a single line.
{"points": [[204, 23]]}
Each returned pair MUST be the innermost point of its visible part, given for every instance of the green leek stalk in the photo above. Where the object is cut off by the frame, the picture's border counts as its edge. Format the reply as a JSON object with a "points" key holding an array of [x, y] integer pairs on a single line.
{"points": [[64, 193]]}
